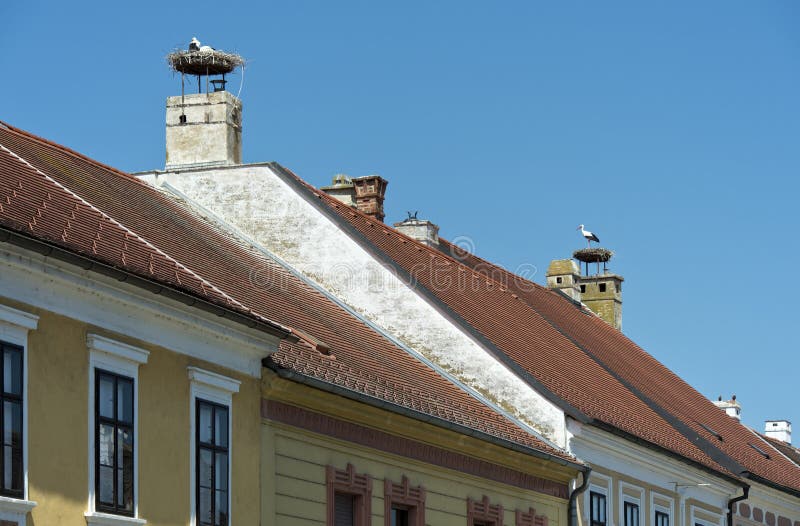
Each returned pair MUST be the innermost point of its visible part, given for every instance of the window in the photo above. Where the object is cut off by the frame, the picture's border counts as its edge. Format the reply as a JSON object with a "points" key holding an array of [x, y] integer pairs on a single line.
{"points": [[113, 430], [14, 327], [597, 508], [559, 279], [482, 513], [583, 288], [404, 505], [602, 287], [662, 519], [113, 435], [11, 406], [211, 445], [349, 497], [212, 464], [398, 517], [631, 514]]}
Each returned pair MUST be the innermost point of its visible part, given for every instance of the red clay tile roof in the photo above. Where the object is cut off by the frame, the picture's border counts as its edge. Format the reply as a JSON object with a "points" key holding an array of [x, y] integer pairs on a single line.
{"points": [[586, 365], [54, 194]]}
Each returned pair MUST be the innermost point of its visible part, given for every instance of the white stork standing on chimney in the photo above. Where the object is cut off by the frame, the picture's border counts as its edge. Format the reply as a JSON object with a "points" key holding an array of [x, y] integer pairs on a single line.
{"points": [[588, 235]]}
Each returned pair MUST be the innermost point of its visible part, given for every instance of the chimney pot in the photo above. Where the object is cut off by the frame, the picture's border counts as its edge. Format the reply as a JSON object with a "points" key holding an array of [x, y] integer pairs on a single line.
{"points": [[420, 229]]}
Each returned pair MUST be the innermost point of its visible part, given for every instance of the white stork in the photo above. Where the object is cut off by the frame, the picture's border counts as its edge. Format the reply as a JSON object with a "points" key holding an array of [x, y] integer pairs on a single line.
{"points": [[194, 45], [588, 235]]}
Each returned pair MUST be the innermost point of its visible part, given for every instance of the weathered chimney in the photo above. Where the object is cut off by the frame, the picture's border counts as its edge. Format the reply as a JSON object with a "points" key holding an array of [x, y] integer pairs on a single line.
{"points": [[731, 407], [420, 229], [370, 191], [779, 430], [564, 275], [204, 129], [343, 189]]}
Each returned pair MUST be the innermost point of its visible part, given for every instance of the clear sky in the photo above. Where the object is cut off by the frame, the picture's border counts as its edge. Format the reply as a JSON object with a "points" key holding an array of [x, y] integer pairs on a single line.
{"points": [[670, 129]]}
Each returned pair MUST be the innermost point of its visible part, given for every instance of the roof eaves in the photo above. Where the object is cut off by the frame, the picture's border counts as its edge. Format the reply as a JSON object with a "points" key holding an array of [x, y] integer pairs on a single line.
{"points": [[417, 415], [50, 250]]}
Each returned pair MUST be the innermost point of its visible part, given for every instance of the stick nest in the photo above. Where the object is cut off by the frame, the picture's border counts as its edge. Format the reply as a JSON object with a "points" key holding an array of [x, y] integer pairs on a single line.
{"points": [[212, 62], [593, 255]]}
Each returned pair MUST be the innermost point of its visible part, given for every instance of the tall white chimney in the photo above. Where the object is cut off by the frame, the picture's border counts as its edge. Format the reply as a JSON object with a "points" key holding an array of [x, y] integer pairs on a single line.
{"points": [[779, 430]]}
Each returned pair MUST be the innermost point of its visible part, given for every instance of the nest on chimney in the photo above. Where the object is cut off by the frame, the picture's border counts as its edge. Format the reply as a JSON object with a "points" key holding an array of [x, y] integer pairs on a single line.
{"points": [[213, 62], [593, 255]]}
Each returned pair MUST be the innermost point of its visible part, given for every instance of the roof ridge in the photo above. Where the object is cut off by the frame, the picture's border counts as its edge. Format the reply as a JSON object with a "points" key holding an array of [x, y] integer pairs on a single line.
{"points": [[70, 151], [147, 243], [376, 222]]}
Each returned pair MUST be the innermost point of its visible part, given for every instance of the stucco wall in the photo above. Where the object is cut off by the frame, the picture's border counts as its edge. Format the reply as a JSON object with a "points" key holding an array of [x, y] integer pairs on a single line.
{"points": [[297, 460], [58, 384]]}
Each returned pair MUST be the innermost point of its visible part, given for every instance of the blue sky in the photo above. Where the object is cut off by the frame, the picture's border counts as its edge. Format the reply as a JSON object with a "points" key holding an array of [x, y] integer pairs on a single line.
{"points": [[671, 129]]}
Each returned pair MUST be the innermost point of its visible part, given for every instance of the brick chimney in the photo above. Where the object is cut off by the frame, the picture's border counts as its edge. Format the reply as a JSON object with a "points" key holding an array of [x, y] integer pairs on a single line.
{"points": [[370, 191], [779, 430]]}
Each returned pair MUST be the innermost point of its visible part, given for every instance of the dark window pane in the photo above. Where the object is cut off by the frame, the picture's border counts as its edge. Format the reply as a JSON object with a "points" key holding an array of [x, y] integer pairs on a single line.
{"points": [[12, 372], [125, 401], [221, 472], [106, 485], [12, 423], [125, 484], [221, 427], [399, 517], [105, 404], [204, 507], [16, 470], [204, 478], [106, 445], [221, 510], [344, 510], [204, 424]]}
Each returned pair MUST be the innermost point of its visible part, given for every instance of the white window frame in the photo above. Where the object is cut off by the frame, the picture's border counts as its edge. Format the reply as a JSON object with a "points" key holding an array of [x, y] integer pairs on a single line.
{"points": [[603, 490], [219, 389], [670, 511], [14, 327], [624, 497], [123, 359], [696, 512]]}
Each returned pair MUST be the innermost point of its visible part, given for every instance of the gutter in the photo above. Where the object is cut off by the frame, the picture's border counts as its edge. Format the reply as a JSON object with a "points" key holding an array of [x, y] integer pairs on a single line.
{"points": [[50, 250], [294, 376], [743, 496], [572, 518]]}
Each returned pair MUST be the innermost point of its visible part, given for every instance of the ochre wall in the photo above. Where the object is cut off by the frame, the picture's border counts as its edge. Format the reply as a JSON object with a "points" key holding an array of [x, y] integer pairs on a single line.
{"points": [[296, 460], [58, 442]]}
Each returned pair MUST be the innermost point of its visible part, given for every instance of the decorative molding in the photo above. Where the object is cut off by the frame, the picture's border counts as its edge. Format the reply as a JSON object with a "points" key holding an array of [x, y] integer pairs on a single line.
{"points": [[18, 317], [529, 518], [13, 510], [119, 350], [213, 381], [106, 519], [349, 482], [405, 447], [410, 498], [481, 510]]}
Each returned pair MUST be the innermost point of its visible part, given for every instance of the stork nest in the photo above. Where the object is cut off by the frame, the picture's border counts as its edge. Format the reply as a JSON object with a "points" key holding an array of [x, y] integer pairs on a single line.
{"points": [[593, 255], [212, 62]]}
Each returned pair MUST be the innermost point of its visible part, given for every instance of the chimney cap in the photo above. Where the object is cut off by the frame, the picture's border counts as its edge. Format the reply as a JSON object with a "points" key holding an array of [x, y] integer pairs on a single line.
{"points": [[339, 181]]}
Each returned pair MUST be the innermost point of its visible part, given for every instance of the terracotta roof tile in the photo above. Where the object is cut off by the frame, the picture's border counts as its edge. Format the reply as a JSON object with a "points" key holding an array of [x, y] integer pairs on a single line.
{"points": [[54, 194], [589, 366]]}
